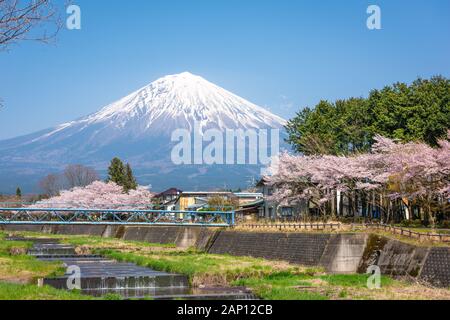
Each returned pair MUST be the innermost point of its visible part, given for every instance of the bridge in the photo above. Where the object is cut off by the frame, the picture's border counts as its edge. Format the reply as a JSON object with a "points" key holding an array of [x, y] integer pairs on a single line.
{"points": [[69, 216]]}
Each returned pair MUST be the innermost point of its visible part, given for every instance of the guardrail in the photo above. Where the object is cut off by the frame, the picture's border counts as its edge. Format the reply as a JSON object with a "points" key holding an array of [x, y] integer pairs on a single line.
{"points": [[421, 236], [436, 237], [42, 216]]}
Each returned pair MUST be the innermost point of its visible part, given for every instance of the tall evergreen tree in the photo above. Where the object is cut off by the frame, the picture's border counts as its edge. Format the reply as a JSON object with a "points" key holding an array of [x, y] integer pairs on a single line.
{"points": [[130, 180], [18, 193], [122, 175], [116, 172]]}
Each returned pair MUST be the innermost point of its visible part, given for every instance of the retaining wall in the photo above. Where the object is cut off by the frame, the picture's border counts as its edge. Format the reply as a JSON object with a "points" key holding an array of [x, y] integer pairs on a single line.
{"points": [[181, 236], [436, 268], [343, 253], [393, 257], [300, 248]]}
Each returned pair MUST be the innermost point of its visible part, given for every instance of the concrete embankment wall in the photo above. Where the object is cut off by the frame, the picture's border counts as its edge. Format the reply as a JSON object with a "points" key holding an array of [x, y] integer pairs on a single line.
{"points": [[337, 253], [181, 236], [300, 248]]}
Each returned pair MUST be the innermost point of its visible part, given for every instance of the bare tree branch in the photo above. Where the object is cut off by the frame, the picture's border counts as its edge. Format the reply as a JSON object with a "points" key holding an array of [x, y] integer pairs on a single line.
{"points": [[79, 176], [51, 184], [36, 20]]}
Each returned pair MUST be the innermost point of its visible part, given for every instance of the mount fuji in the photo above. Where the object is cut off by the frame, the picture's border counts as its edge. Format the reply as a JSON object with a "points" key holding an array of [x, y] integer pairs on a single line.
{"points": [[138, 129]]}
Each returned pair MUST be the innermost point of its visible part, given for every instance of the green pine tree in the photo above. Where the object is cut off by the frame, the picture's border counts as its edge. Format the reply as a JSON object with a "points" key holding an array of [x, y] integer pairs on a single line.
{"points": [[116, 172], [130, 180], [18, 193]]}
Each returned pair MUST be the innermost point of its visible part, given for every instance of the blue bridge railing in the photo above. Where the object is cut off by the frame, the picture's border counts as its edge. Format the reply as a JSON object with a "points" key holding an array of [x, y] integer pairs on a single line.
{"points": [[45, 216]]}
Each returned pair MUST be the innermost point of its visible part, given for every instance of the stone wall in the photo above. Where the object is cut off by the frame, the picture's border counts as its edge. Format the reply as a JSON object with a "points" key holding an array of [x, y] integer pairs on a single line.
{"points": [[397, 258], [299, 248], [393, 257], [94, 230], [181, 236], [336, 253], [436, 269]]}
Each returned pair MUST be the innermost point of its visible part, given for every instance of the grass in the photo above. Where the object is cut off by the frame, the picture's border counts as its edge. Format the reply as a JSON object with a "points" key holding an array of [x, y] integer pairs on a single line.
{"points": [[204, 268], [19, 273], [16, 266], [429, 230], [286, 286], [97, 241], [354, 280], [14, 291], [412, 241]]}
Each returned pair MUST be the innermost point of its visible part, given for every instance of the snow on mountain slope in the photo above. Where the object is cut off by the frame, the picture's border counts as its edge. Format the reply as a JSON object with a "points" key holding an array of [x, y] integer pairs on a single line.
{"points": [[170, 103]]}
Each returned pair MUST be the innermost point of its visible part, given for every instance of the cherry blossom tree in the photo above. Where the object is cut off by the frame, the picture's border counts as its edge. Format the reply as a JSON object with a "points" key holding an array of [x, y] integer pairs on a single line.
{"points": [[99, 195], [413, 173]]}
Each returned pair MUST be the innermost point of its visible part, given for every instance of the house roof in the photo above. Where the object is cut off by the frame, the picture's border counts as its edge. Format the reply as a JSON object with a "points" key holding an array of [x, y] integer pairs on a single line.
{"points": [[256, 203], [262, 182], [169, 192]]}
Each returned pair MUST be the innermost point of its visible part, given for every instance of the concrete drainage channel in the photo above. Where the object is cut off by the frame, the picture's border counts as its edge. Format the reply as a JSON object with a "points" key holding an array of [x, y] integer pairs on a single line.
{"points": [[99, 276]]}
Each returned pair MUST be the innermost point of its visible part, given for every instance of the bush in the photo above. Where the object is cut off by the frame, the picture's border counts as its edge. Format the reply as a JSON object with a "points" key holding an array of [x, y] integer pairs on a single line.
{"points": [[417, 223], [445, 224]]}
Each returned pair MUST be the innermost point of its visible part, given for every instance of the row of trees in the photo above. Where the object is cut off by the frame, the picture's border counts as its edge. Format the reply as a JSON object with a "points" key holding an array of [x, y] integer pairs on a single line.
{"points": [[416, 112], [393, 175], [385, 155], [80, 187], [99, 195], [77, 175]]}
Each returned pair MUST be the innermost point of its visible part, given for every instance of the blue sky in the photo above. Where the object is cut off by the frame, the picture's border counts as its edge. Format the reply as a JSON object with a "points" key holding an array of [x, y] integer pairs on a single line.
{"points": [[282, 55]]}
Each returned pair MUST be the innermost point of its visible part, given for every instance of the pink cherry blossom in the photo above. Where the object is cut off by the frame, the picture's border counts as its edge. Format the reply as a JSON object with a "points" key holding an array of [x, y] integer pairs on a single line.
{"points": [[99, 195], [413, 171]]}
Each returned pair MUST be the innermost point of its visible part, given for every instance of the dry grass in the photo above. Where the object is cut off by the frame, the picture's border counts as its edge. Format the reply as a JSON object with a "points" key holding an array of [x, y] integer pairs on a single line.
{"points": [[401, 292]]}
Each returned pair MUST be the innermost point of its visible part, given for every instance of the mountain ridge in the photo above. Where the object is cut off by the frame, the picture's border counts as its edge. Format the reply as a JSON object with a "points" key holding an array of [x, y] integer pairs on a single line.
{"points": [[137, 128]]}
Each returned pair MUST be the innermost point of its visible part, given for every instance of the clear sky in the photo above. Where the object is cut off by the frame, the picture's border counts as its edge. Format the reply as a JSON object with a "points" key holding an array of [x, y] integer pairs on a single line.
{"points": [[282, 55]]}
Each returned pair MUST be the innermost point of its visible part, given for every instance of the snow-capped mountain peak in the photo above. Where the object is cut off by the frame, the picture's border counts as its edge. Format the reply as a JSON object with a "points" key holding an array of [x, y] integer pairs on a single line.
{"points": [[177, 101]]}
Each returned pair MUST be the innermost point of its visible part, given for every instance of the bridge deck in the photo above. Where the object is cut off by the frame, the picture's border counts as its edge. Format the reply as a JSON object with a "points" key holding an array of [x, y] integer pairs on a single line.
{"points": [[43, 216]]}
